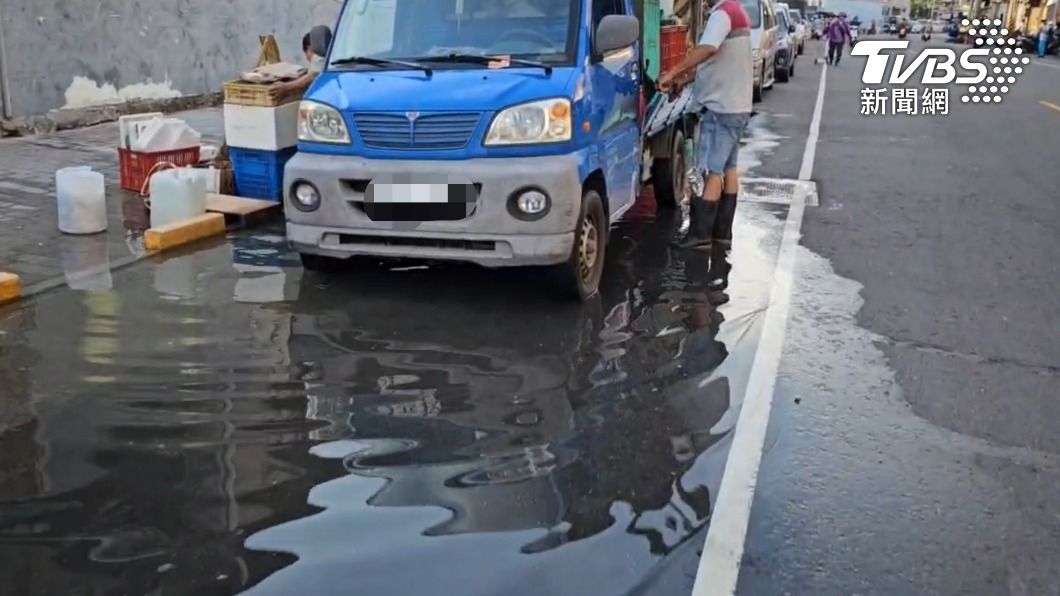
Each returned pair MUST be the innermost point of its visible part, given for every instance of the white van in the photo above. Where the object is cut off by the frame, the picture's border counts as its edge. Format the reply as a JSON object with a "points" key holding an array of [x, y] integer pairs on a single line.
{"points": [[763, 43], [802, 32]]}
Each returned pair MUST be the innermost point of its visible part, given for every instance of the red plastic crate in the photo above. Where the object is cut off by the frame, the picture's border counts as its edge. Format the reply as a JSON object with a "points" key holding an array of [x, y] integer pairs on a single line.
{"points": [[673, 46], [135, 166]]}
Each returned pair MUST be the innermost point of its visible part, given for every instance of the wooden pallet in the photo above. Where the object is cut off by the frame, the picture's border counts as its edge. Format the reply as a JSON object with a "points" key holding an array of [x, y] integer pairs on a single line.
{"points": [[242, 212]]}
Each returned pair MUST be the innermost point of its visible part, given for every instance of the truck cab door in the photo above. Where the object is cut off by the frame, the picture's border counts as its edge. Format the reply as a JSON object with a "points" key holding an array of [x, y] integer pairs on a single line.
{"points": [[615, 93]]}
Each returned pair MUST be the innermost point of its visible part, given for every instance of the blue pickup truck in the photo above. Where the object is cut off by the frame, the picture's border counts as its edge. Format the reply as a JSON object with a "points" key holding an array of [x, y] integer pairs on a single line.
{"points": [[498, 132]]}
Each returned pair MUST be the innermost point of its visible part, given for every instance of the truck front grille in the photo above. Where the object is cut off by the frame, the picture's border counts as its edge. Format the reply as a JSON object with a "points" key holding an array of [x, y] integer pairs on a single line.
{"points": [[410, 130]]}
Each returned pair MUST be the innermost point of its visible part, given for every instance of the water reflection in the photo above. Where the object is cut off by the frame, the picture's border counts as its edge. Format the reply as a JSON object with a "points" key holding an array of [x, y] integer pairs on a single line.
{"points": [[441, 430], [86, 262], [541, 424]]}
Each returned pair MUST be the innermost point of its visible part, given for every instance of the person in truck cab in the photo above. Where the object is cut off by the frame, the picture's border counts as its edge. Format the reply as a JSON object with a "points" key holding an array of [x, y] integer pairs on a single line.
{"points": [[722, 92]]}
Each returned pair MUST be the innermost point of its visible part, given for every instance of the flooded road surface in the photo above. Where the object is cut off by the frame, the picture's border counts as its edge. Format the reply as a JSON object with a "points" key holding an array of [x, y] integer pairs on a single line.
{"points": [[223, 421]]}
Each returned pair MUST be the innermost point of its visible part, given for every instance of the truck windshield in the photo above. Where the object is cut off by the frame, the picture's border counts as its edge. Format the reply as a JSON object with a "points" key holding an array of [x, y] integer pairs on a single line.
{"points": [[754, 12], [415, 29]]}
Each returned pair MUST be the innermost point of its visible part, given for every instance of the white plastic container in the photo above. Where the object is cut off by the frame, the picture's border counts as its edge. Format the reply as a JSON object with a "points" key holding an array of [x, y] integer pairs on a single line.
{"points": [[166, 134], [176, 195], [261, 128], [130, 127], [82, 200]]}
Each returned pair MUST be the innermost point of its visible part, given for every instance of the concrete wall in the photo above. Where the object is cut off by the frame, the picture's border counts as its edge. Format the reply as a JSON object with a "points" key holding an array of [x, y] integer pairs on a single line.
{"points": [[73, 53]]}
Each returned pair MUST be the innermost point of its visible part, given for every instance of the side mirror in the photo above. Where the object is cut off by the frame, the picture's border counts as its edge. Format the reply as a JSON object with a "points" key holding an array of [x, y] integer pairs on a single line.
{"points": [[616, 32], [320, 40]]}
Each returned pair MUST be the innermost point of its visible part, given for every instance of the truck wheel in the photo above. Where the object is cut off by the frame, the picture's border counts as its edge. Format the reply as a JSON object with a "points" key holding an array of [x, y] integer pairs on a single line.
{"points": [[319, 263], [668, 175], [583, 269], [756, 94]]}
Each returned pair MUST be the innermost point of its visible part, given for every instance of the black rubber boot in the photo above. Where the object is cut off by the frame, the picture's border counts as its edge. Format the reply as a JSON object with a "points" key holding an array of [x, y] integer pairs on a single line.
{"points": [[723, 222], [701, 218], [720, 267]]}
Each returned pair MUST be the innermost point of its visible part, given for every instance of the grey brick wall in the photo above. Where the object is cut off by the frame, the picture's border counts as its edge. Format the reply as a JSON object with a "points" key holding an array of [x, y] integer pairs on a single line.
{"points": [[188, 46]]}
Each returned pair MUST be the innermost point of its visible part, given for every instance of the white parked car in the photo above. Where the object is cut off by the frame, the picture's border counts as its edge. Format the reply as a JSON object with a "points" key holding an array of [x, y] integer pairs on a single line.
{"points": [[802, 28], [786, 44], [763, 43]]}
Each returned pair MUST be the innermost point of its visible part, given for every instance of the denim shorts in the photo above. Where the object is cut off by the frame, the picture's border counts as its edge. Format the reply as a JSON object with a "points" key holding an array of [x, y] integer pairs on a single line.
{"points": [[719, 141]]}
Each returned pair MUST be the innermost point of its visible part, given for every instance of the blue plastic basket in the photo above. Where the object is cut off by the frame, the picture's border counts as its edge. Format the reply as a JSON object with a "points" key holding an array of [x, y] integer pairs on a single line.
{"points": [[259, 174]]}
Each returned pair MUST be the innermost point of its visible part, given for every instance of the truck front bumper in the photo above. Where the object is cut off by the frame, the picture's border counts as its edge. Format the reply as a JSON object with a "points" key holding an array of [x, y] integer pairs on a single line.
{"points": [[492, 234]]}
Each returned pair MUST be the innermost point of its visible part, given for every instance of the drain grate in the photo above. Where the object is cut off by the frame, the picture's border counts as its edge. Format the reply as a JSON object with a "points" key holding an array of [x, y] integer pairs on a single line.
{"points": [[778, 190]]}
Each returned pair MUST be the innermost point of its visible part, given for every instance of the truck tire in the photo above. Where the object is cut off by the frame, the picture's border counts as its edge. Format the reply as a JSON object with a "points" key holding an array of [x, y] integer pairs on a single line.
{"points": [[668, 175], [580, 275], [756, 93], [319, 263], [782, 75]]}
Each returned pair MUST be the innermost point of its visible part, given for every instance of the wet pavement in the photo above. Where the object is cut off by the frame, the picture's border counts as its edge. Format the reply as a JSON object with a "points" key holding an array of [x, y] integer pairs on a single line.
{"points": [[219, 421], [31, 245], [914, 447], [222, 420]]}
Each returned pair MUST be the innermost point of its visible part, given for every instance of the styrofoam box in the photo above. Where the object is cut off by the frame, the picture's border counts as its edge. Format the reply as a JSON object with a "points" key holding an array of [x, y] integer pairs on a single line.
{"points": [[261, 128]]}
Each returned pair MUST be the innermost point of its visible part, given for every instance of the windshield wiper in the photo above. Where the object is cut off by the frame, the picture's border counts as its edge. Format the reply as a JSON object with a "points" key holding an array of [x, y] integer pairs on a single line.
{"points": [[381, 62], [486, 60]]}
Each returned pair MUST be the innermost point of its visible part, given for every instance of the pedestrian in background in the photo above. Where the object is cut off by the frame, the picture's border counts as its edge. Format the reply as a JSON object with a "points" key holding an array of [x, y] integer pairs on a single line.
{"points": [[1043, 39], [722, 92], [837, 34]]}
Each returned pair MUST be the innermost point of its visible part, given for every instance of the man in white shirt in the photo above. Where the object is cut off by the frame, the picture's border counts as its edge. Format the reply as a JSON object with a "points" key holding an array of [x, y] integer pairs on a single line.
{"points": [[723, 94]]}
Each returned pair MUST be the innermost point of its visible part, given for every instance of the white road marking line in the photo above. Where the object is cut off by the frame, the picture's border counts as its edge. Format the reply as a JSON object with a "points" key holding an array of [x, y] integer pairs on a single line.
{"points": [[719, 566], [810, 152]]}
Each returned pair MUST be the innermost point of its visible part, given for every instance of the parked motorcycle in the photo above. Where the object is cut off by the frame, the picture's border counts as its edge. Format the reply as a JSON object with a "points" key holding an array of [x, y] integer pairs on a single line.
{"points": [[902, 32], [925, 35]]}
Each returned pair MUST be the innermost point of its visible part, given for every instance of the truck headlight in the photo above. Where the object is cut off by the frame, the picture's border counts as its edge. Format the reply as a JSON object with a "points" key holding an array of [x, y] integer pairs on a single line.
{"points": [[545, 121], [318, 123]]}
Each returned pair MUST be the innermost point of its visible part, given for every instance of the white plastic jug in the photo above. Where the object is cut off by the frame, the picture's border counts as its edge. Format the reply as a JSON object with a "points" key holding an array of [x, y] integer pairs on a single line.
{"points": [[176, 195], [82, 200]]}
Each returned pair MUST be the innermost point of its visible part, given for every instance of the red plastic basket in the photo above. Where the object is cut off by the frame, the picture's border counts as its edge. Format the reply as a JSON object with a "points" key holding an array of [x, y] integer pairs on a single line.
{"points": [[673, 46], [136, 167]]}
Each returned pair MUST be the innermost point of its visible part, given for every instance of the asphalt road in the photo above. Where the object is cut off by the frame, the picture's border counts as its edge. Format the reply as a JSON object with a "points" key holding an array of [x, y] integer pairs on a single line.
{"points": [[914, 446], [220, 420]]}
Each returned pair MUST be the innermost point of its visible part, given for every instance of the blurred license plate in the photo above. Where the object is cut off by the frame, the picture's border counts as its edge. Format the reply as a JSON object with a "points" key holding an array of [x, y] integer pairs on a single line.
{"points": [[419, 201], [410, 193]]}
